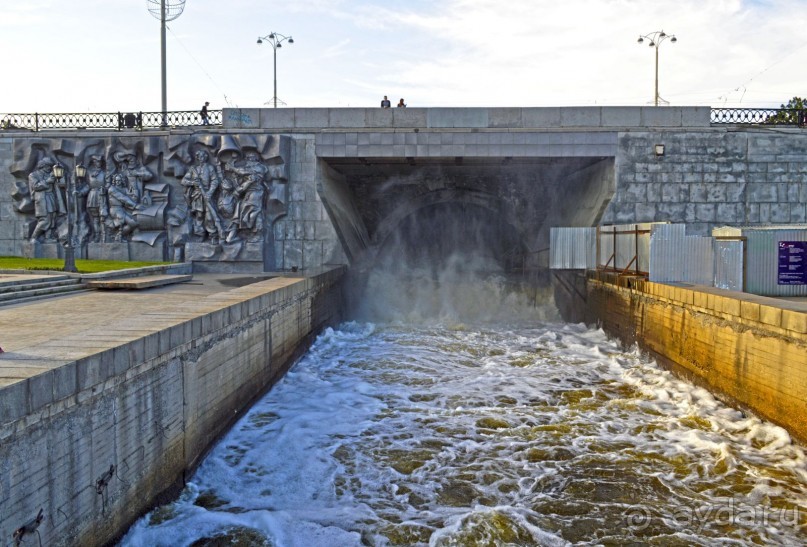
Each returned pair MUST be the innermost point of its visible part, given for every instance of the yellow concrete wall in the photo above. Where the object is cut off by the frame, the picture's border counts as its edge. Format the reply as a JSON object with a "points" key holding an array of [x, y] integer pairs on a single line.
{"points": [[748, 350]]}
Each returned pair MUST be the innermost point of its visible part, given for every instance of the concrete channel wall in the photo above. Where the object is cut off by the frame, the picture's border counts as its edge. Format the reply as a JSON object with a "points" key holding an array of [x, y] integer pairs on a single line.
{"points": [[95, 442], [748, 350]]}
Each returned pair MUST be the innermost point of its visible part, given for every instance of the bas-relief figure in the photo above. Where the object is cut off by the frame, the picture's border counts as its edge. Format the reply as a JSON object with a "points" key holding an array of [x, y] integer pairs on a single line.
{"points": [[228, 202], [251, 191], [249, 194], [127, 164], [201, 183], [95, 202], [226, 197], [47, 199], [101, 213], [121, 201]]}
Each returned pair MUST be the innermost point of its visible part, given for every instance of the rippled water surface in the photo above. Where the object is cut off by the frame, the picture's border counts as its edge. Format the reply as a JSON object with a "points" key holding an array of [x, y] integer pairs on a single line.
{"points": [[549, 435]]}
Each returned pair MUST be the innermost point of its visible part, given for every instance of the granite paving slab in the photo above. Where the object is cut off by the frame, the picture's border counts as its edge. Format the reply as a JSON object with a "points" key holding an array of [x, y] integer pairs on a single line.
{"points": [[140, 283], [47, 334]]}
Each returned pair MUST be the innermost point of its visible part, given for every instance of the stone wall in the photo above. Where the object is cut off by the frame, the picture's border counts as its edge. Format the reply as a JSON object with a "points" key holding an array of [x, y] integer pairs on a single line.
{"points": [[302, 237], [708, 176], [95, 442], [748, 350], [10, 227], [305, 238], [740, 177]]}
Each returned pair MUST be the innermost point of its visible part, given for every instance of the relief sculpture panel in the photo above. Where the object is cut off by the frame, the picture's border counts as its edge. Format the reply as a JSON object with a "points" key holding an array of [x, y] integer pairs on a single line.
{"points": [[206, 198]]}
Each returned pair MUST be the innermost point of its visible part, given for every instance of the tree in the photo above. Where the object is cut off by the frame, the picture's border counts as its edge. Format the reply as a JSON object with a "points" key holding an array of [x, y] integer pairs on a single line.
{"points": [[792, 113]]}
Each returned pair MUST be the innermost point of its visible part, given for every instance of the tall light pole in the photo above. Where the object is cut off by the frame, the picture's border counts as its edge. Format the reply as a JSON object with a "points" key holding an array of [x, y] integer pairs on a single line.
{"points": [[276, 40], [165, 10], [656, 38]]}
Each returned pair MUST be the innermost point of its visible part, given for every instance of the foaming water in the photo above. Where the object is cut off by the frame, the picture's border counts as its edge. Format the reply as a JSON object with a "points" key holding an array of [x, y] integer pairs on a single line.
{"points": [[450, 434], [466, 289]]}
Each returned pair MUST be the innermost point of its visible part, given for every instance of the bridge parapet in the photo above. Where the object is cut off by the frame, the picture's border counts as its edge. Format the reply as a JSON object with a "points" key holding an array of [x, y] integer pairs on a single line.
{"points": [[513, 118], [436, 143]]}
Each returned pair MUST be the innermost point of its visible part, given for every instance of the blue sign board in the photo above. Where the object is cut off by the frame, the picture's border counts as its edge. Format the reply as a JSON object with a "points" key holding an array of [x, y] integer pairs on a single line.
{"points": [[792, 263]]}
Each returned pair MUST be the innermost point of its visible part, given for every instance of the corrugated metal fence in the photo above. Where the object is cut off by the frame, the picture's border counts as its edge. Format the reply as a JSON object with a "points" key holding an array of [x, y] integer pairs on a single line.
{"points": [[729, 255], [573, 248], [749, 258], [625, 248], [677, 257]]}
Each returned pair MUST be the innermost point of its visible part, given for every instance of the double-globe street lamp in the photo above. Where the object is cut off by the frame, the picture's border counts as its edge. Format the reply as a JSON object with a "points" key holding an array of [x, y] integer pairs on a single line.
{"points": [[276, 40], [70, 194], [655, 40]]}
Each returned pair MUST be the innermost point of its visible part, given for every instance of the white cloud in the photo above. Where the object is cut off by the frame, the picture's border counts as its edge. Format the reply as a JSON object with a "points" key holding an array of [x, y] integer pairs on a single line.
{"points": [[453, 52]]}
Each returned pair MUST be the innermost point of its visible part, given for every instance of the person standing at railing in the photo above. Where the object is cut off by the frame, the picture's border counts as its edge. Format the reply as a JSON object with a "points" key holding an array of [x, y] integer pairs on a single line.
{"points": [[203, 113]]}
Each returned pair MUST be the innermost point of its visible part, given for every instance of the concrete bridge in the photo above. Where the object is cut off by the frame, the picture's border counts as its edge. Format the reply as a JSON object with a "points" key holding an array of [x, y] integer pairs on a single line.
{"points": [[144, 398], [358, 177], [541, 167]]}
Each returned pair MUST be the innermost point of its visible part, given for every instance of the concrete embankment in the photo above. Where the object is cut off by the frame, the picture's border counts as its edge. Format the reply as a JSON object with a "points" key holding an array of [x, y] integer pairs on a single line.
{"points": [[749, 350], [108, 400]]}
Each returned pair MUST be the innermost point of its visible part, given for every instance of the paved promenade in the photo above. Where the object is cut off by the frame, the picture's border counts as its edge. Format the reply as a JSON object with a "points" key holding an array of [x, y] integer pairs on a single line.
{"points": [[48, 333], [140, 382]]}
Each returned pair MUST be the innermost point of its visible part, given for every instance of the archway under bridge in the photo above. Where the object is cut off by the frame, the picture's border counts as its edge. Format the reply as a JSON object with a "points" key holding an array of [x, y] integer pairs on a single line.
{"points": [[497, 209]]}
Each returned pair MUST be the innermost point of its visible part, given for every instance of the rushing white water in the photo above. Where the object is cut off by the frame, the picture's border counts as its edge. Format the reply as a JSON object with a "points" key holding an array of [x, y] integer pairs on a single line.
{"points": [[548, 434]]}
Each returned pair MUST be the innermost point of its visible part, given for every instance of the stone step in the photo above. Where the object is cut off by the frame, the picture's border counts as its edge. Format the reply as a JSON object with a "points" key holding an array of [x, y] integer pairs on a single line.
{"points": [[7, 288], [28, 299], [40, 292], [11, 280], [139, 283]]}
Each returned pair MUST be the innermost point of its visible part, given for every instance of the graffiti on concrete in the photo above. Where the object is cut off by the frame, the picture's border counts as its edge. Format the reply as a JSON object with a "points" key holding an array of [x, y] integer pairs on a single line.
{"points": [[239, 118]]}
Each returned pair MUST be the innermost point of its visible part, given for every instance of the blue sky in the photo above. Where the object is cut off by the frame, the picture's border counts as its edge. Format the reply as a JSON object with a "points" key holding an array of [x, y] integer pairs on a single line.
{"points": [[104, 55]]}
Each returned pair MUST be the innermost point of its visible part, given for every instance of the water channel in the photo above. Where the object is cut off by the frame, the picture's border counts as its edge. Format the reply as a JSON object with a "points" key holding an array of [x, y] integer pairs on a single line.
{"points": [[422, 428]]}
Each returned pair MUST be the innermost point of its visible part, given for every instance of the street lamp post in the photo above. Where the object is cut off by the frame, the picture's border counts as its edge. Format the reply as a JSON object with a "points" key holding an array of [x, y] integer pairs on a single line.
{"points": [[165, 10], [655, 40], [275, 40], [80, 172], [69, 255]]}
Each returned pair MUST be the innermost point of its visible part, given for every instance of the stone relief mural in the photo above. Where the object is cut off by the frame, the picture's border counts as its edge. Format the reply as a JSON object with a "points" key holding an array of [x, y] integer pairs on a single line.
{"points": [[181, 197]]}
